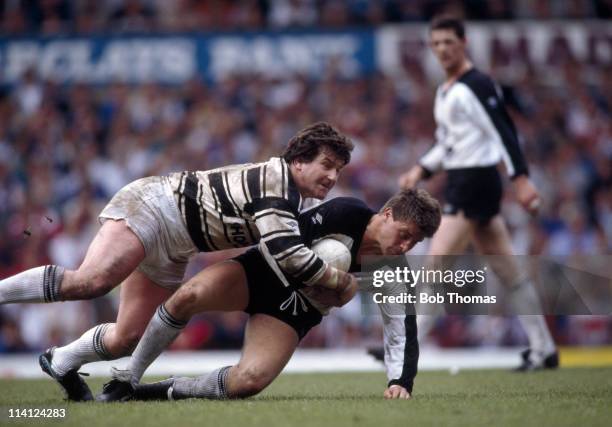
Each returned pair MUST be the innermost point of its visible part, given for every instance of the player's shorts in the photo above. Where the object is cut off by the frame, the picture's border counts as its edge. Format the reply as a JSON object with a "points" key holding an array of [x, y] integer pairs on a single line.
{"points": [[268, 295], [149, 210], [477, 192]]}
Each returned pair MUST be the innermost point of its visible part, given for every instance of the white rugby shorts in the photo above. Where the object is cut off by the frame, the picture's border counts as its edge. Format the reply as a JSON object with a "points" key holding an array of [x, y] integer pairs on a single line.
{"points": [[149, 209]]}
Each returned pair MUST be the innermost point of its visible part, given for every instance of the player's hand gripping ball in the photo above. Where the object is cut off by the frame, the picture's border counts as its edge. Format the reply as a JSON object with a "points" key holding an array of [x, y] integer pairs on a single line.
{"points": [[337, 255]]}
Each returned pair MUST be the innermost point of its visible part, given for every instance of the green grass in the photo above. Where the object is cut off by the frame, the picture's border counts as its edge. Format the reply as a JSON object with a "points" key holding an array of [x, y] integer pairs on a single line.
{"points": [[568, 397]]}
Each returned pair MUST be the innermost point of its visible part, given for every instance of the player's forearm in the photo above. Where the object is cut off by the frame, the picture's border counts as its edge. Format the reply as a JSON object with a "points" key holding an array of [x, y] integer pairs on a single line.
{"points": [[334, 278], [294, 259], [280, 235], [431, 162], [401, 349], [517, 178], [411, 178]]}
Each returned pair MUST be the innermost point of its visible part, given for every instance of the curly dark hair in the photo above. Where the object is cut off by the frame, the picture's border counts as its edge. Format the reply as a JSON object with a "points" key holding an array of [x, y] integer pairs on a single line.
{"points": [[308, 143]]}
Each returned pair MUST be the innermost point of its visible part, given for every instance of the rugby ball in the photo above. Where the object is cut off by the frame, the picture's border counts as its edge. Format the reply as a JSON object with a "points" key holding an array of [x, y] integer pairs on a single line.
{"points": [[334, 252]]}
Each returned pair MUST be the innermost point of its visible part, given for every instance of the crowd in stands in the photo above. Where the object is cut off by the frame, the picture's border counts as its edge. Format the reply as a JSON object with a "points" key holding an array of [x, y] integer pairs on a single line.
{"points": [[65, 150], [50, 17]]}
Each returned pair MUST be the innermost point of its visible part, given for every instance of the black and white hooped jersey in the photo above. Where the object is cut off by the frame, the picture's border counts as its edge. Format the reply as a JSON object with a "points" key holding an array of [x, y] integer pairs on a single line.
{"points": [[241, 205], [473, 128], [346, 219]]}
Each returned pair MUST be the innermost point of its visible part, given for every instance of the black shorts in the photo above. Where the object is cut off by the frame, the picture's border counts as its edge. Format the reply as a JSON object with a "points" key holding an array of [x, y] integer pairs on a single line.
{"points": [[477, 192], [268, 295]]}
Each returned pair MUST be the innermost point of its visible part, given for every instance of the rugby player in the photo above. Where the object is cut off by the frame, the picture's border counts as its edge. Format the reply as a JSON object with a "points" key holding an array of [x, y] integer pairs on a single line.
{"points": [[475, 133], [154, 225]]}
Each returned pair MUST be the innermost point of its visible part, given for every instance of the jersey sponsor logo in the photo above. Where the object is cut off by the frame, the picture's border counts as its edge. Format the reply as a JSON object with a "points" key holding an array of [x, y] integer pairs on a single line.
{"points": [[317, 219], [237, 234]]}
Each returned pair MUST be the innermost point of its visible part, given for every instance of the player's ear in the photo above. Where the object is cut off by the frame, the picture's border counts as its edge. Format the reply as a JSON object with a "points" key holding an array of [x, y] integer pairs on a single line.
{"points": [[297, 165], [387, 213]]}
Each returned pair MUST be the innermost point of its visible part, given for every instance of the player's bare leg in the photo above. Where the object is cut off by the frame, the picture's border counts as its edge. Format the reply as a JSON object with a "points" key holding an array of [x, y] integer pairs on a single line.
{"points": [[112, 256], [453, 235], [268, 345], [138, 300], [220, 287], [494, 239], [452, 238]]}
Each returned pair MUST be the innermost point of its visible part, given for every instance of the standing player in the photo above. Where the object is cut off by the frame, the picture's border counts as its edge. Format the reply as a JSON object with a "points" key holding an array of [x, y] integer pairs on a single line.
{"points": [[281, 310], [154, 225], [474, 133]]}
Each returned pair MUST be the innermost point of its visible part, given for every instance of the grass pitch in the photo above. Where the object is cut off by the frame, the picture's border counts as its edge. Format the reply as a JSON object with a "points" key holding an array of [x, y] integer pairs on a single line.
{"points": [[568, 397]]}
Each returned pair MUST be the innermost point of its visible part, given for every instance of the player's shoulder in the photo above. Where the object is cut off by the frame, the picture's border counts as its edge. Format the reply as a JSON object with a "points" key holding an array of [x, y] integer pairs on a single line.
{"points": [[340, 206], [476, 81], [341, 215], [350, 204], [275, 177], [275, 166], [475, 76]]}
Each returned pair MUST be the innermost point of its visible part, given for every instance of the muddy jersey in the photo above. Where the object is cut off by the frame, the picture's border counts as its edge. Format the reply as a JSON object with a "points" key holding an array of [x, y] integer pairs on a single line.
{"points": [[241, 205]]}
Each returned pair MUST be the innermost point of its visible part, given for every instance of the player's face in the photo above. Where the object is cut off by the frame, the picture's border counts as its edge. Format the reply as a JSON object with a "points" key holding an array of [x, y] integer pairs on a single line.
{"points": [[398, 237], [448, 48], [316, 178]]}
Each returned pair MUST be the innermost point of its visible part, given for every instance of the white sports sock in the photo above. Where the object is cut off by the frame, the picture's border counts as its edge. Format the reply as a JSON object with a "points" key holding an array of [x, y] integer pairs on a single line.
{"points": [[210, 386], [161, 331], [525, 302], [39, 284], [540, 341], [88, 348]]}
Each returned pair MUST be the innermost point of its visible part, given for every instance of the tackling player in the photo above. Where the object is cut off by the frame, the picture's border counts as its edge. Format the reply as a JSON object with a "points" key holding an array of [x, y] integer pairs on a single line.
{"points": [[154, 225]]}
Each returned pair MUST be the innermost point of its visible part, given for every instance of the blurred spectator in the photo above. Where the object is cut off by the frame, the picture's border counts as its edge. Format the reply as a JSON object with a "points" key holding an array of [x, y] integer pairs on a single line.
{"points": [[10, 337], [292, 13], [28, 93], [131, 16]]}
